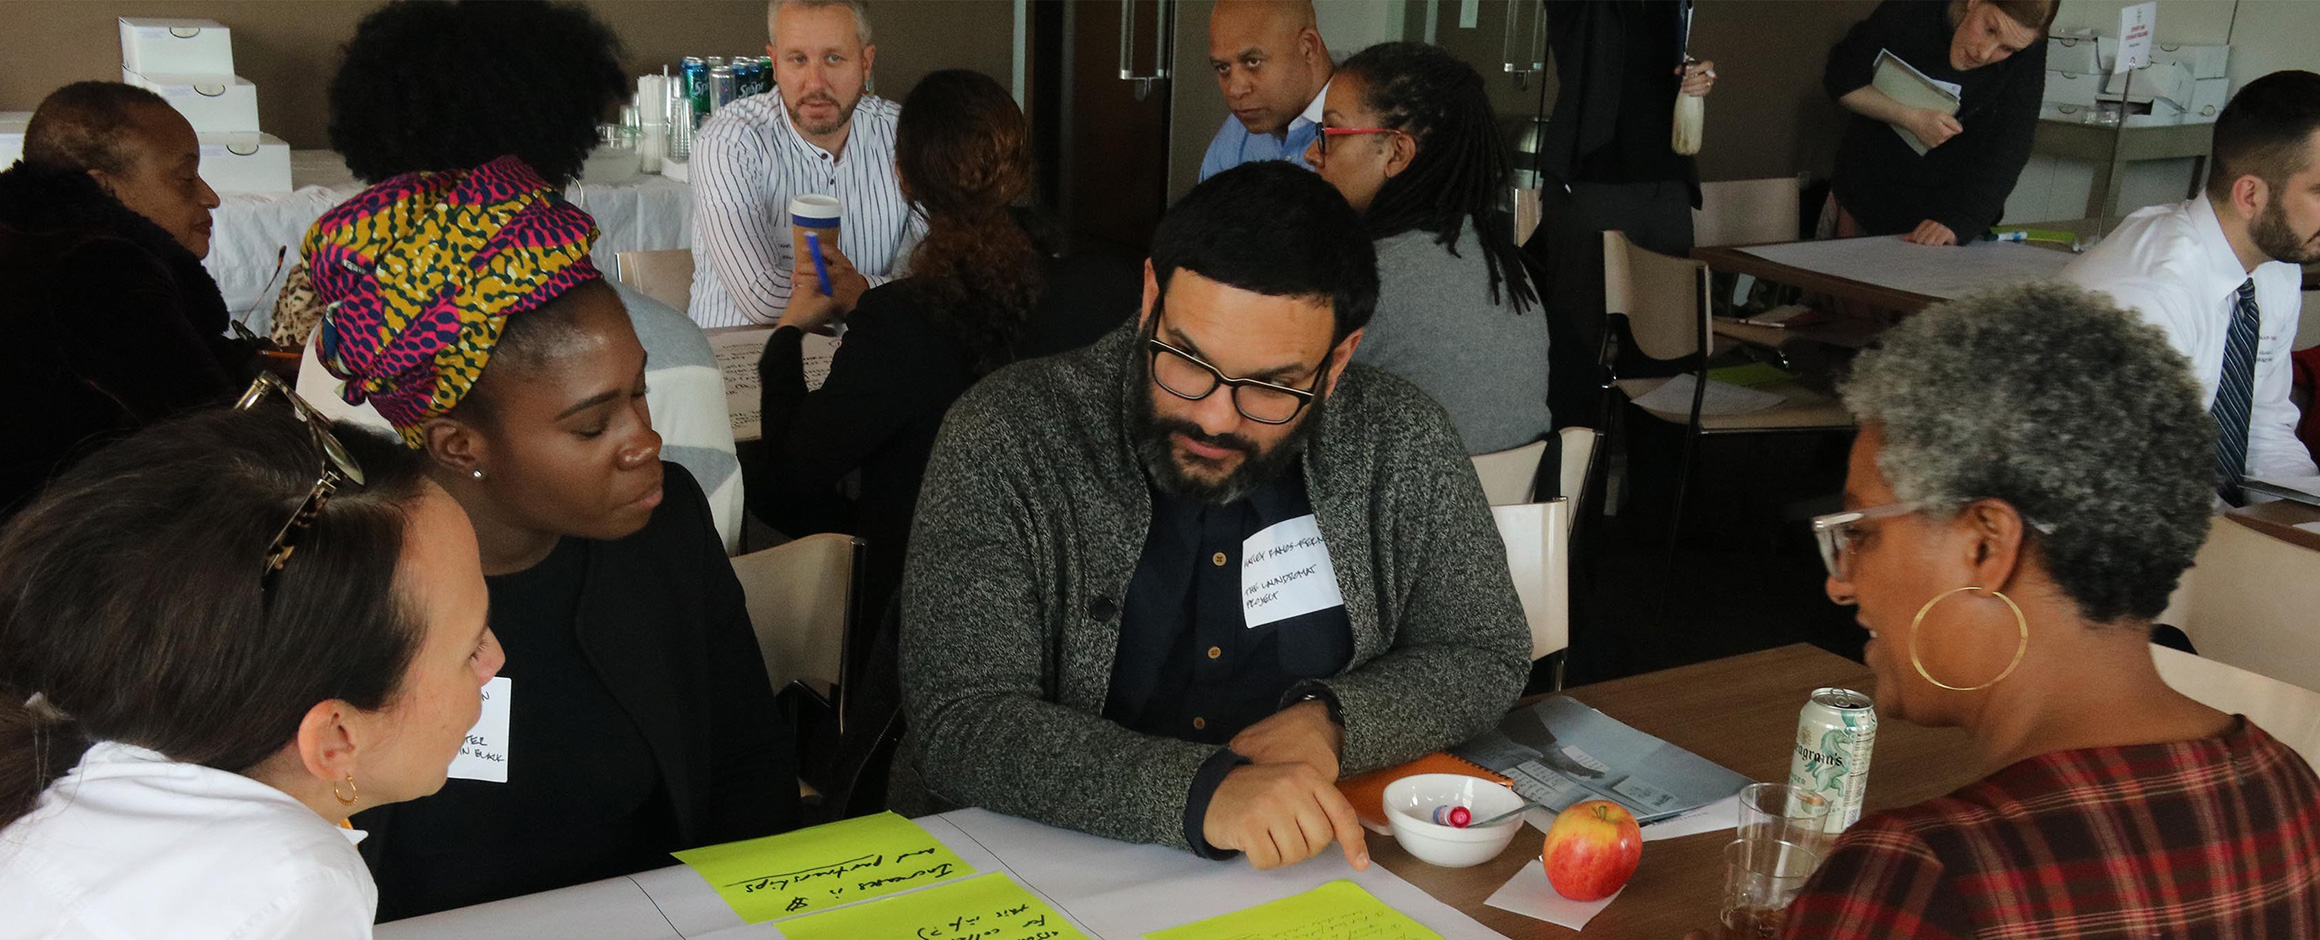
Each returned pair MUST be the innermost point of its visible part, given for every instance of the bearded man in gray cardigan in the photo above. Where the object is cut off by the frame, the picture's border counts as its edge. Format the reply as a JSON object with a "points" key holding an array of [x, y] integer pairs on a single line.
{"points": [[1171, 587]]}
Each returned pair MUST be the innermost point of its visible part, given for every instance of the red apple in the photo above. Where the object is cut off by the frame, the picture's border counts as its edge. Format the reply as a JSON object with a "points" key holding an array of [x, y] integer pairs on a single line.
{"points": [[1592, 849]]}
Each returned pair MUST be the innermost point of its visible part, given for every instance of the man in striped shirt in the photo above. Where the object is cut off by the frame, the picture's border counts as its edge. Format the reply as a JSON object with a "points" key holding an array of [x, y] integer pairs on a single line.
{"points": [[819, 132]]}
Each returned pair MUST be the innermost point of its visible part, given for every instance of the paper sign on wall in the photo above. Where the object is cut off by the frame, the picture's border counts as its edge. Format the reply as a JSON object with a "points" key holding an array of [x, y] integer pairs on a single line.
{"points": [[485, 754], [1285, 572], [2136, 21]]}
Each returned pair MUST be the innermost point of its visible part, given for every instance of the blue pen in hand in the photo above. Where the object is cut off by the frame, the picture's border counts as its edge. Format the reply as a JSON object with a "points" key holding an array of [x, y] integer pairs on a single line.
{"points": [[821, 267]]}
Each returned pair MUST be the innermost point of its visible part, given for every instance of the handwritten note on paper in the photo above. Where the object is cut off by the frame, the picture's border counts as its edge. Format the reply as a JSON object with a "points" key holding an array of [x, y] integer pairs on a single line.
{"points": [[825, 866], [1285, 571], [988, 907], [1339, 910], [738, 349], [484, 756]]}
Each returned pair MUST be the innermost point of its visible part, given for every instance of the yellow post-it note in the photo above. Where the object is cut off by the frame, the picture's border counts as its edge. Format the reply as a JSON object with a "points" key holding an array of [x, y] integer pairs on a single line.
{"points": [[825, 866], [1339, 910], [989, 907]]}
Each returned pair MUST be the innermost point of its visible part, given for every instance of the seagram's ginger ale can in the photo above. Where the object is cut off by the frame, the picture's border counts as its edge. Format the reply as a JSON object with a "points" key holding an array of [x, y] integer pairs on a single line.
{"points": [[1834, 734]]}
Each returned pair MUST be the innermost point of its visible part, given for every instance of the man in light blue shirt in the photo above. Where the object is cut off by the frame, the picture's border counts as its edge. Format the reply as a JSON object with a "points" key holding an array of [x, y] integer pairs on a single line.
{"points": [[1274, 70]]}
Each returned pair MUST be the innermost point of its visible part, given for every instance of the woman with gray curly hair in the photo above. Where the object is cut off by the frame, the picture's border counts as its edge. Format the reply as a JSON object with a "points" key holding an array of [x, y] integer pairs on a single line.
{"points": [[2031, 479]]}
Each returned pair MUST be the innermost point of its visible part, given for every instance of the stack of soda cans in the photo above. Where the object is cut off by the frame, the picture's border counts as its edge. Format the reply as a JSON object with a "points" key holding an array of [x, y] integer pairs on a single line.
{"points": [[713, 82]]}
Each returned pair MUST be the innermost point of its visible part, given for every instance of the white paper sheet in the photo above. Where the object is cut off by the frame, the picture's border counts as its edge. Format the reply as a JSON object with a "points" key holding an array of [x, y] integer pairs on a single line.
{"points": [[1110, 890], [1714, 817], [1943, 271], [1722, 398], [2299, 489], [485, 755], [738, 349], [1529, 894]]}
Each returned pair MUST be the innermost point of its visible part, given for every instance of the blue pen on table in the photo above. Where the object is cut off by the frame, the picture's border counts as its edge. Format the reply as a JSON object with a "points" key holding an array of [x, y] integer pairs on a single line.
{"points": [[2016, 236], [821, 267]]}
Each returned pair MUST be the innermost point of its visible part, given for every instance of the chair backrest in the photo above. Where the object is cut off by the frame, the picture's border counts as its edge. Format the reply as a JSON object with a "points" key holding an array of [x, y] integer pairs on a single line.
{"points": [[1538, 556], [2248, 601], [1663, 298], [1746, 212], [1578, 459], [803, 598], [1510, 476], [665, 276], [2284, 711]]}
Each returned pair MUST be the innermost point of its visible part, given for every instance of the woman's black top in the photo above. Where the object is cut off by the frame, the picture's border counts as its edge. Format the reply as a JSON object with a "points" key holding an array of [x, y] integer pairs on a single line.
{"points": [[641, 722], [894, 376], [1961, 184]]}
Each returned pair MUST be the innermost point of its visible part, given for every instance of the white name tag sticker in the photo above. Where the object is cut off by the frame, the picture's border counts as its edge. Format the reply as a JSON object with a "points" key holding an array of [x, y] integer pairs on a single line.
{"points": [[1285, 572], [485, 754]]}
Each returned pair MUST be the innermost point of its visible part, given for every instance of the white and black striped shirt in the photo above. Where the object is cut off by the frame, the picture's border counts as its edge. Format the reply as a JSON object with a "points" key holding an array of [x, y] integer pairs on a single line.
{"points": [[747, 163]]}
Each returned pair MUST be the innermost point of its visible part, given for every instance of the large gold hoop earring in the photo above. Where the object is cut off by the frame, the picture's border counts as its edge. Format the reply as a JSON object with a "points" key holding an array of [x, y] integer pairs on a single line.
{"points": [[2021, 625], [345, 799]]}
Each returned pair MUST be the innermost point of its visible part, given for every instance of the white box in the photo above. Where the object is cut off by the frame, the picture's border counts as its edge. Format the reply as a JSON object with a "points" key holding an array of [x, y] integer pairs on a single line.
{"points": [[2066, 113], [2208, 96], [163, 46], [12, 136], [2169, 81], [2072, 54], [2072, 88], [214, 104], [2159, 112], [245, 163], [2204, 62]]}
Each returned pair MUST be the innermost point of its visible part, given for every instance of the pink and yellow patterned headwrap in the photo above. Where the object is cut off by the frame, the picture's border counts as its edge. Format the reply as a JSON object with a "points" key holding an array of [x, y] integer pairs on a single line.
{"points": [[420, 273]]}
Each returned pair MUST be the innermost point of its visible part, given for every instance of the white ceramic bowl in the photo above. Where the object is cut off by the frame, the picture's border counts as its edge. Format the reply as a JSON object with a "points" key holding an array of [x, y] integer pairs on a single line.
{"points": [[1409, 807]]}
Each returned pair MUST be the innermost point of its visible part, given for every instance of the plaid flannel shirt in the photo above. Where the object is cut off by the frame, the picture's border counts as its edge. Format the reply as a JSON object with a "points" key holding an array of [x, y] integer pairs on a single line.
{"points": [[2210, 838]]}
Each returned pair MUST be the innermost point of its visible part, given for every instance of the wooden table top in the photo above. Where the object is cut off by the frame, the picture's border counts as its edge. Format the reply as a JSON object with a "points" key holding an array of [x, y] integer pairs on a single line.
{"points": [[1736, 259], [1739, 712]]}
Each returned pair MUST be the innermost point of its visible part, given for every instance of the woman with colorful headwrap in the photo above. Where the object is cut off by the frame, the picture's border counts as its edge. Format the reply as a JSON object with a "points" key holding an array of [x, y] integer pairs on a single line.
{"points": [[463, 307]]}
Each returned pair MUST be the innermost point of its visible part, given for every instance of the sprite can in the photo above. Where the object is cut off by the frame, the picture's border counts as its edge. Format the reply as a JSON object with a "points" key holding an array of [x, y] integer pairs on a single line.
{"points": [[1834, 734], [694, 74]]}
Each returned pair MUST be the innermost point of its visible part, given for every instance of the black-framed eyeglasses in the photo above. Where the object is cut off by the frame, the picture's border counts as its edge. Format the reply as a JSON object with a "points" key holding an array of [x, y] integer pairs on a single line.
{"points": [[337, 467], [1191, 378], [1330, 132]]}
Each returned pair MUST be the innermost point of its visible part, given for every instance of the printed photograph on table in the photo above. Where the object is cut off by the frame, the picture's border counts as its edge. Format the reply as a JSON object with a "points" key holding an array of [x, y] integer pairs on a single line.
{"points": [[1560, 752], [823, 867]]}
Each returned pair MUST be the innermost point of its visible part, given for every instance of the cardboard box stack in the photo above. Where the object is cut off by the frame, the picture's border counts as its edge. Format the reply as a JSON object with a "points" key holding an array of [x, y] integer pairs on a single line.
{"points": [[2184, 84], [190, 64]]}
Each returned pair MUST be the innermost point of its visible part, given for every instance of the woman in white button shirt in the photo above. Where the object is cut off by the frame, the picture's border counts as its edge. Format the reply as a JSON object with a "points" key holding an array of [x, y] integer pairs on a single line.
{"points": [[187, 713]]}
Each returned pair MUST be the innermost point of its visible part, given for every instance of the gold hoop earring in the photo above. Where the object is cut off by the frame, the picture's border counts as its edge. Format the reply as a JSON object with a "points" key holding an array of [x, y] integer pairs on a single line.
{"points": [[346, 799], [2021, 625]]}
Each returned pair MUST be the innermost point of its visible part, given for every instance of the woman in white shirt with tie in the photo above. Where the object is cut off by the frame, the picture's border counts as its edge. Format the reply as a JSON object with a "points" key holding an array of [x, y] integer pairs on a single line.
{"points": [[188, 710]]}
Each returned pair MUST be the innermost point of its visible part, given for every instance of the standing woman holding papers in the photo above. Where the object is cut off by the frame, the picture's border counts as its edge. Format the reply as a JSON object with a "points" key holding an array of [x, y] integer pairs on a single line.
{"points": [[218, 638], [1981, 61], [637, 719]]}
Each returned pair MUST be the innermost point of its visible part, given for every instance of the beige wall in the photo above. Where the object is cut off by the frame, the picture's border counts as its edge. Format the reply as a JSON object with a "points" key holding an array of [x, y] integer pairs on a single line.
{"points": [[289, 48]]}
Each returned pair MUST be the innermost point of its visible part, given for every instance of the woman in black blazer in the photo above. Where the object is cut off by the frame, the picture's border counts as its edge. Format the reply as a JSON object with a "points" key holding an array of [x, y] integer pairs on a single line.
{"points": [[985, 288], [639, 719]]}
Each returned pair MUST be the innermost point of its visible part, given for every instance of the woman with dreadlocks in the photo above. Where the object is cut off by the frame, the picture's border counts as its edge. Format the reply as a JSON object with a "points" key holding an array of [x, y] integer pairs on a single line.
{"points": [[1409, 137]]}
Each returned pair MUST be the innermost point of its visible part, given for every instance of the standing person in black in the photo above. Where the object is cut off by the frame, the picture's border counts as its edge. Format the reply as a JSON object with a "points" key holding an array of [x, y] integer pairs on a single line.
{"points": [[1620, 64], [111, 321], [1994, 52], [985, 288]]}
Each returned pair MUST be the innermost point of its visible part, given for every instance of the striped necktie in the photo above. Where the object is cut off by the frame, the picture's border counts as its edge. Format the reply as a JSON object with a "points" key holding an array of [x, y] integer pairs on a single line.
{"points": [[2235, 395]]}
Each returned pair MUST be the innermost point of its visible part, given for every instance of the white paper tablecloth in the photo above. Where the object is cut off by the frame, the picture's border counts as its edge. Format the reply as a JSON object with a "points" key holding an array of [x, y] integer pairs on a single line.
{"points": [[646, 213]]}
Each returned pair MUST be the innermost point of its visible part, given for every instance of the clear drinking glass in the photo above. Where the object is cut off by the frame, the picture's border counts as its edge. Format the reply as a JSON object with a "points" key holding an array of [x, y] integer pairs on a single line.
{"points": [[1761, 878], [1779, 812]]}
